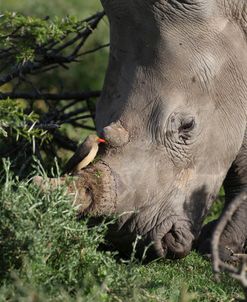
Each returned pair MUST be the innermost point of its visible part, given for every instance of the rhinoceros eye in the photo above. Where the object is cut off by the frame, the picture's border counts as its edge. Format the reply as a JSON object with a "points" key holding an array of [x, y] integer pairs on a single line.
{"points": [[185, 128], [187, 125]]}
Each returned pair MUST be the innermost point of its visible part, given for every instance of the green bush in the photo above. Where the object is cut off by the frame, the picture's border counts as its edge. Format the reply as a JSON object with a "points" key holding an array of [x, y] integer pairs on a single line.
{"points": [[47, 255], [43, 248]]}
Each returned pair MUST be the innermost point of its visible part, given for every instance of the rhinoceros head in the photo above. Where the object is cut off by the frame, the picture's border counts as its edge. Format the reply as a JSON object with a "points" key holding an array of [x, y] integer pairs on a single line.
{"points": [[173, 111]]}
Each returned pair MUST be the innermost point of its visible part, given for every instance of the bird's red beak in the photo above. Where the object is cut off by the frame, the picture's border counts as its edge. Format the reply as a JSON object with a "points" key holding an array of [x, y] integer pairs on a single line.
{"points": [[101, 140]]}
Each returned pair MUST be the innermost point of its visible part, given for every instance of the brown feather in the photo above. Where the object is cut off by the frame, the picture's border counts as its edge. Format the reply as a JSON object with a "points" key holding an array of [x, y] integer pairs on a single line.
{"points": [[81, 153]]}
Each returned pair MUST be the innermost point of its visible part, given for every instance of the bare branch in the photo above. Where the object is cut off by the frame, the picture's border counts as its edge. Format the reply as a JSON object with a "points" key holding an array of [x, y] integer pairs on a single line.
{"points": [[81, 117], [93, 50], [50, 96], [84, 34], [78, 125], [64, 141]]}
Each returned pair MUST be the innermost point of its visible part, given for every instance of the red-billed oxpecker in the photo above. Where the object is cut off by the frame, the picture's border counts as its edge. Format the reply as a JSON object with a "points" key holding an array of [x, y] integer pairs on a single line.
{"points": [[84, 154]]}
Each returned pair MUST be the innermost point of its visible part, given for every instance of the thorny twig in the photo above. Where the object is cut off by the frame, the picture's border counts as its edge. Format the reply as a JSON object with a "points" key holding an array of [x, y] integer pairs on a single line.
{"points": [[22, 73], [50, 54], [240, 272]]}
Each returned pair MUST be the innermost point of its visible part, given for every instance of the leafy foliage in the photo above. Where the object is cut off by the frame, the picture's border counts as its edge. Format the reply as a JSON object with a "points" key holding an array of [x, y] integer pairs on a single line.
{"points": [[31, 48], [15, 123], [29, 44], [30, 33]]}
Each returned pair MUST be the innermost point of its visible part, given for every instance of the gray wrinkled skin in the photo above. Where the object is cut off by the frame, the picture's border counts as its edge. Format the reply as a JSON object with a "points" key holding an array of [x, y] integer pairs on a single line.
{"points": [[174, 105]]}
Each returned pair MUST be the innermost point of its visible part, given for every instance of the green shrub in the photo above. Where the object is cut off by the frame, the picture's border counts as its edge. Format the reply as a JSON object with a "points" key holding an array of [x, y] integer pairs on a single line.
{"points": [[47, 255], [42, 245]]}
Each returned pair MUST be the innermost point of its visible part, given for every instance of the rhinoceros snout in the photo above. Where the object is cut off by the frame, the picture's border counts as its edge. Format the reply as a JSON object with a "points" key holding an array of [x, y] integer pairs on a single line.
{"points": [[177, 243]]}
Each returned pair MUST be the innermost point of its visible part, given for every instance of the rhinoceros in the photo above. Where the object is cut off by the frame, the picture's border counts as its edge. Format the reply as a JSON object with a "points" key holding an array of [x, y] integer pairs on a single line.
{"points": [[173, 111]]}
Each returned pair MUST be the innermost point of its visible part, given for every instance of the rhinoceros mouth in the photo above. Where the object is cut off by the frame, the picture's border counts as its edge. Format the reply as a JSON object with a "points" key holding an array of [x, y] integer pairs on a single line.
{"points": [[174, 242], [166, 240], [177, 243]]}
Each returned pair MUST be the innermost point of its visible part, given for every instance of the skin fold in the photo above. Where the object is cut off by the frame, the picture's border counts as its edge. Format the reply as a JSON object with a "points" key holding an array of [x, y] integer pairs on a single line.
{"points": [[173, 111]]}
